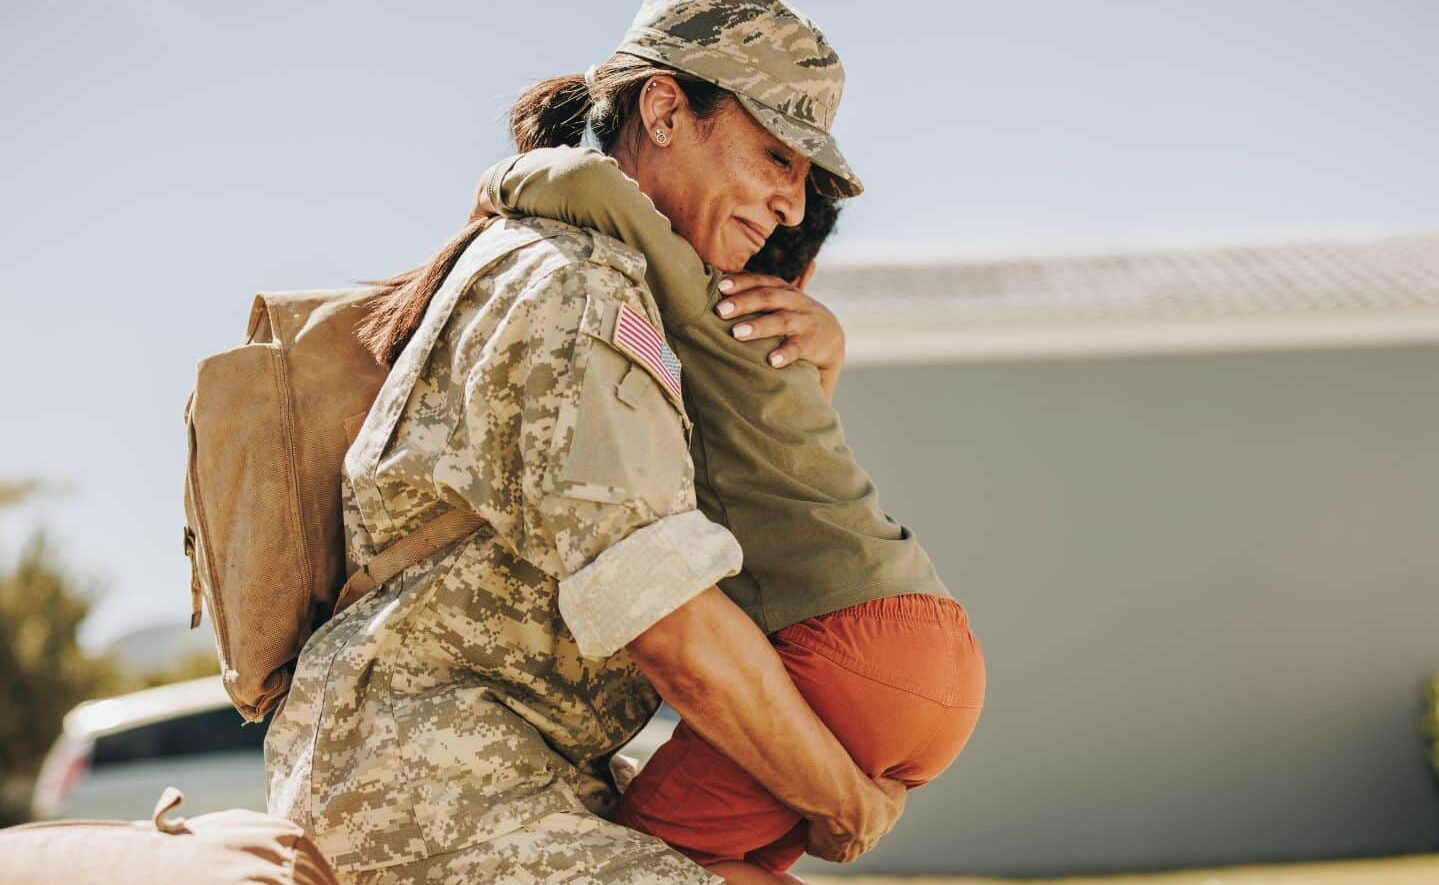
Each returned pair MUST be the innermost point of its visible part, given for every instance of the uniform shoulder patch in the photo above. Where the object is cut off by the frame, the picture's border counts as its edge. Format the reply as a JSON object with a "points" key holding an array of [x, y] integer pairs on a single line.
{"points": [[637, 338], [634, 335]]}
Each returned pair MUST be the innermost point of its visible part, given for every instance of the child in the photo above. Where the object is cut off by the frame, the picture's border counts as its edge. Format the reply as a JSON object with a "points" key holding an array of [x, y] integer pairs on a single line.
{"points": [[851, 602]]}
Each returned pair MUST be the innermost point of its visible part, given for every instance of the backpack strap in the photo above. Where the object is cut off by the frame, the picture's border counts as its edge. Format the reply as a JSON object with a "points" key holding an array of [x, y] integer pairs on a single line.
{"points": [[422, 543]]}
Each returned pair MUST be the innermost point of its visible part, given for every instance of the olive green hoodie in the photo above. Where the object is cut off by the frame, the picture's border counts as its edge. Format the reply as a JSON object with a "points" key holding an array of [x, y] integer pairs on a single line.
{"points": [[771, 463]]}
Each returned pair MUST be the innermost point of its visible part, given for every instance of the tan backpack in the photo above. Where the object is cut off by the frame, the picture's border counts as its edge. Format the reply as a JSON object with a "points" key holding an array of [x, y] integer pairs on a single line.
{"points": [[269, 422]]}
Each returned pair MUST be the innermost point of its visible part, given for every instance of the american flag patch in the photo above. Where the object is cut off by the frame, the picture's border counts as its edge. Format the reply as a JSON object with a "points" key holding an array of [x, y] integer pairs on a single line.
{"points": [[634, 334]]}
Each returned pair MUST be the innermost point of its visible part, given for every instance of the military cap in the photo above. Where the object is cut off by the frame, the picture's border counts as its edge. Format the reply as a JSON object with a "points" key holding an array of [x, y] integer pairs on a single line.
{"points": [[774, 60]]}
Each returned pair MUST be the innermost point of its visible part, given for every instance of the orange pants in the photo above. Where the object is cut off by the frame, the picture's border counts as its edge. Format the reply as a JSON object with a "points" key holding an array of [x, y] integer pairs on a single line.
{"points": [[900, 682]]}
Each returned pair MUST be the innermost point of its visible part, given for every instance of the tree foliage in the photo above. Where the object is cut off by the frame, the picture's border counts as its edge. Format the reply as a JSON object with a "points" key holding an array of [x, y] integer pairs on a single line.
{"points": [[43, 670]]}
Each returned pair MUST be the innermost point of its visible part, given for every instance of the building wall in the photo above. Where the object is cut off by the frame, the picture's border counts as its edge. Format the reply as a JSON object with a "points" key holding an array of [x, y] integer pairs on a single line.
{"points": [[1207, 587]]}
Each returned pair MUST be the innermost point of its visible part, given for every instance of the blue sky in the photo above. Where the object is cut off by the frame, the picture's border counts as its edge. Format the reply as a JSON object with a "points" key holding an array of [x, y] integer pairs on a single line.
{"points": [[161, 161]]}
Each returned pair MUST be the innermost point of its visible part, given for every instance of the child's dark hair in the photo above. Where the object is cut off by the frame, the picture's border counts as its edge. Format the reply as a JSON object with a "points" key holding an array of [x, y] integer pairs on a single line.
{"points": [[789, 250]]}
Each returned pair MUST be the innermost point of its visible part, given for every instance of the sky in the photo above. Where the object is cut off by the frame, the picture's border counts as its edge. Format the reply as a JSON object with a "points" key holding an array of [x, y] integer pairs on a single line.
{"points": [[162, 161]]}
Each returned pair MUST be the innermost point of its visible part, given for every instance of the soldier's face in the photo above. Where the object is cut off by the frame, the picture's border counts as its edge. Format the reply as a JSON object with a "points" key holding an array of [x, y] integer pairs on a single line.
{"points": [[725, 183]]}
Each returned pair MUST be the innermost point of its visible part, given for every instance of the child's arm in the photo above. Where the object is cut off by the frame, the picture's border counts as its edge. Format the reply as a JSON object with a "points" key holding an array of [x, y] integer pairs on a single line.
{"points": [[586, 188]]}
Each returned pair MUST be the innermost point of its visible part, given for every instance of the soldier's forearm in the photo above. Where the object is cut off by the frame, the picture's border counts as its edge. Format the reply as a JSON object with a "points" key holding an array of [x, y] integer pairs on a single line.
{"points": [[713, 665]]}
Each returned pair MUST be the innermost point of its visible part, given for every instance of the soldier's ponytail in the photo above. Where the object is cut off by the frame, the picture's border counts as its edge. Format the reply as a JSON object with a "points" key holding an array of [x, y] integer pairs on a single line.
{"points": [[551, 113], [399, 303], [554, 111]]}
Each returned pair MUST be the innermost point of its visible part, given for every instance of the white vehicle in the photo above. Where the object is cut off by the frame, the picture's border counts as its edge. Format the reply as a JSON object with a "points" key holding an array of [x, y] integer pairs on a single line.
{"points": [[114, 756]]}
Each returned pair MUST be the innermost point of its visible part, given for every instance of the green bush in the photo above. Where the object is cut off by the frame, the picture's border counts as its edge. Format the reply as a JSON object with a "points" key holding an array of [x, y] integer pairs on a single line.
{"points": [[43, 670], [42, 667]]}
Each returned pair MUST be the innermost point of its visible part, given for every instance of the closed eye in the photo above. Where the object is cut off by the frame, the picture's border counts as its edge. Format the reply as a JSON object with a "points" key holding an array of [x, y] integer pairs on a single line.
{"points": [[781, 159]]}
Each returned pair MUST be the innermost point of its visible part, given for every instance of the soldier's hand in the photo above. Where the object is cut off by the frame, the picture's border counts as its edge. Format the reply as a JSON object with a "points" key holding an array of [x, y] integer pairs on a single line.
{"points": [[841, 841], [810, 330]]}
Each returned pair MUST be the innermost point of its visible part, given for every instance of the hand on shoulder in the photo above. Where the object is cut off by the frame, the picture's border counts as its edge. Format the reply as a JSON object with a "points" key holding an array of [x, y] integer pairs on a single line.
{"points": [[765, 306]]}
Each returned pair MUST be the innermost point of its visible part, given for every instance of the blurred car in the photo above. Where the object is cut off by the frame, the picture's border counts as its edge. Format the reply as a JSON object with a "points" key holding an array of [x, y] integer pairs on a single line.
{"points": [[114, 756]]}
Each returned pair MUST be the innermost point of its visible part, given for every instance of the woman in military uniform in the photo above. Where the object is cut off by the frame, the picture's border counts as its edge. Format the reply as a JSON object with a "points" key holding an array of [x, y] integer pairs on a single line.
{"points": [[455, 724]]}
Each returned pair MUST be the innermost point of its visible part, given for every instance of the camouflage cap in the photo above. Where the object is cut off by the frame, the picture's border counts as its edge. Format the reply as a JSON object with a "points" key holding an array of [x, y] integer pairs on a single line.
{"points": [[775, 61]]}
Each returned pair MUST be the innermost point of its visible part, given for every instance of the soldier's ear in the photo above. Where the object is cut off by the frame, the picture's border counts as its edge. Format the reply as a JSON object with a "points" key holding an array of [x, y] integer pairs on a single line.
{"points": [[660, 103], [802, 281]]}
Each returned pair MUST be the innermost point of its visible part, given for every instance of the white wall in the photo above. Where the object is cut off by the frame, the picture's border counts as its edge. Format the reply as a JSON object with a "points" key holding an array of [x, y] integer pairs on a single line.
{"points": [[1206, 590]]}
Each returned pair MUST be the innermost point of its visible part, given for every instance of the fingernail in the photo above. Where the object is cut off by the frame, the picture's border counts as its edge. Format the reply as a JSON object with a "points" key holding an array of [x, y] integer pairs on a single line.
{"points": [[726, 285], [743, 330], [776, 359], [726, 308]]}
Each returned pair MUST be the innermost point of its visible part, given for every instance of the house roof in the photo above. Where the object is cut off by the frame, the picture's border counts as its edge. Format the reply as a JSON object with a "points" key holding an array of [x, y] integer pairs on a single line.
{"points": [[1302, 293]]}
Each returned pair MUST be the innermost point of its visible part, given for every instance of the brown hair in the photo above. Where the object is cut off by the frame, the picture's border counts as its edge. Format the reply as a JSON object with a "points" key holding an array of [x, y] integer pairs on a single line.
{"points": [[551, 113]]}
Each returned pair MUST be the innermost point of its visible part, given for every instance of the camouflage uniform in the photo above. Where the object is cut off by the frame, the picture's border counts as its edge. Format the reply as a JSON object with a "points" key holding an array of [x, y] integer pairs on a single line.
{"points": [[455, 724]]}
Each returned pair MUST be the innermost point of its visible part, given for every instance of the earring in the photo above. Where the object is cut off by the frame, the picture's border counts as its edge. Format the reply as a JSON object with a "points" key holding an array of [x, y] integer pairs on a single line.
{"points": [[661, 137]]}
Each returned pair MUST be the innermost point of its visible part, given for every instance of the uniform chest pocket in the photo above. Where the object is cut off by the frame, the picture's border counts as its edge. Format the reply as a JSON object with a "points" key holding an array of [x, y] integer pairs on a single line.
{"points": [[630, 436]]}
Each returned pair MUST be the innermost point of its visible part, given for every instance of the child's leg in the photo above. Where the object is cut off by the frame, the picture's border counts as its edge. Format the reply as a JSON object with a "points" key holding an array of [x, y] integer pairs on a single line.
{"points": [[899, 681], [690, 794]]}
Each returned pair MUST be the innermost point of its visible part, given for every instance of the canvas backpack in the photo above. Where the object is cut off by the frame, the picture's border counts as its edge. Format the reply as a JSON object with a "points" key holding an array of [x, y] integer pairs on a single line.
{"points": [[268, 424]]}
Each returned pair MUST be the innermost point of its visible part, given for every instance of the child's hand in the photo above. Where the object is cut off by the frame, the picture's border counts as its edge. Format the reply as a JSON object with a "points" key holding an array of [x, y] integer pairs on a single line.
{"points": [[811, 331]]}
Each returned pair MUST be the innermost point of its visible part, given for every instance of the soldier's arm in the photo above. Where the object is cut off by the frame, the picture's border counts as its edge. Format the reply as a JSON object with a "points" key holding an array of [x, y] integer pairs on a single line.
{"points": [[713, 665]]}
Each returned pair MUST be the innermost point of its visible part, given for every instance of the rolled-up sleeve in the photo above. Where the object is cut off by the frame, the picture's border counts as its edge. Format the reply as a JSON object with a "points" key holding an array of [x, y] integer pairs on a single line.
{"points": [[574, 449], [643, 577]]}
